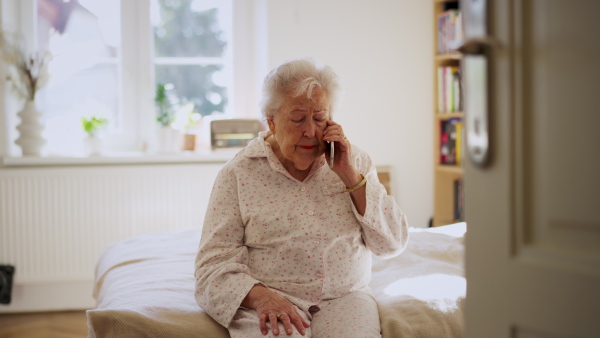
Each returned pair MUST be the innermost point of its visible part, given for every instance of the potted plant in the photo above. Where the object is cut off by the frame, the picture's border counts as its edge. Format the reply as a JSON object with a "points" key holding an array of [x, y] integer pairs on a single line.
{"points": [[164, 104], [169, 138], [92, 125]]}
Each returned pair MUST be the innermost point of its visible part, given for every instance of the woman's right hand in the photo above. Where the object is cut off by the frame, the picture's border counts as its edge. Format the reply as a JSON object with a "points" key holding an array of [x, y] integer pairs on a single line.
{"points": [[272, 307]]}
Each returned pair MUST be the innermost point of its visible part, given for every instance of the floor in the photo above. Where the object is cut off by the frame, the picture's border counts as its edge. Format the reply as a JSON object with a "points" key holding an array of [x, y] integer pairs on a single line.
{"points": [[66, 324]]}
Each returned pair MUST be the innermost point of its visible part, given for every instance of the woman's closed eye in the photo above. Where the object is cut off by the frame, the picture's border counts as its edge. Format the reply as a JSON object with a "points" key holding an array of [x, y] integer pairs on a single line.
{"points": [[297, 118], [320, 117]]}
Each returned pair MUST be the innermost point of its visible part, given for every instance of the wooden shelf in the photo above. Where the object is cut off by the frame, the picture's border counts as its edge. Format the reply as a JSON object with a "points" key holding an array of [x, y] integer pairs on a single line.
{"points": [[450, 169], [448, 57], [447, 116], [445, 222]]}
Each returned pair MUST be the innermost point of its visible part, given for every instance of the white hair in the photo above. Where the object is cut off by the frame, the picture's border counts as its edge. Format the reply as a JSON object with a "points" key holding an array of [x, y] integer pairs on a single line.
{"points": [[298, 77]]}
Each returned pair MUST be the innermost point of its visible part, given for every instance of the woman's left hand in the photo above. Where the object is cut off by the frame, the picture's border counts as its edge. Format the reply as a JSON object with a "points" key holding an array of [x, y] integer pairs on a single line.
{"points": [[342, 164]]}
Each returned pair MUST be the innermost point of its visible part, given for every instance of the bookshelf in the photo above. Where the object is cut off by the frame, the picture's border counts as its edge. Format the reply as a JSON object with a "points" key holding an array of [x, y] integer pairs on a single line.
{"points": [[448, 115]]}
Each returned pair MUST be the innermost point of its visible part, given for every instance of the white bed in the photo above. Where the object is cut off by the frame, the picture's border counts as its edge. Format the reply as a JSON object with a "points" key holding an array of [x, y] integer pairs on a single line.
{"points": [[145, 287]]}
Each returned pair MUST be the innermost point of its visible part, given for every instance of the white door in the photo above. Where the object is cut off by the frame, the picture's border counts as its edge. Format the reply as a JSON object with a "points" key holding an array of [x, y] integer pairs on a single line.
{"points": [[533, 213]]}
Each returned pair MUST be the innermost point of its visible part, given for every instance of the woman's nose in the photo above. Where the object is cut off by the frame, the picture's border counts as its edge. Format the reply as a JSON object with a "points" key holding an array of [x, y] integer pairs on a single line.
{"points": [[310, 129]]}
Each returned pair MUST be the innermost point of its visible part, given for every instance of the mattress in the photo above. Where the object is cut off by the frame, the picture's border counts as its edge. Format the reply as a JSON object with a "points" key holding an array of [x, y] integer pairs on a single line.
{"points": [[144, 287]]}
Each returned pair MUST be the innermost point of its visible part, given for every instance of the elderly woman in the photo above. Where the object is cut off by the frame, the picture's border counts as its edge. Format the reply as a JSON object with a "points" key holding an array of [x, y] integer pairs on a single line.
{"points": [[287, 240]]}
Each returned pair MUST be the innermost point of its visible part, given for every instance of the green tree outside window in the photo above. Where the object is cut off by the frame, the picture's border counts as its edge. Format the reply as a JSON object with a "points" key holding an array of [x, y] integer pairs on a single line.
{"points": [[185, 32]]}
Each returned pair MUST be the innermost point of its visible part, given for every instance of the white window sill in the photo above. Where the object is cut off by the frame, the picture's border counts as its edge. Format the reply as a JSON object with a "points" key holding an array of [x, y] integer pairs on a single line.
{"points": [[217, 156]]}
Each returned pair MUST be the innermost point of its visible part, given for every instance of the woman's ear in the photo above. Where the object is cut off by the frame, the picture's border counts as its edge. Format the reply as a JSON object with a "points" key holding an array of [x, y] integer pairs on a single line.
{"points": [[271, 122]]}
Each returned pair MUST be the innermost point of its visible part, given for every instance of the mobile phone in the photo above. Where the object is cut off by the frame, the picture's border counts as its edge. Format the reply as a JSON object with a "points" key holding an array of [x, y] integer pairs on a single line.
{"points": [[331, 157]]}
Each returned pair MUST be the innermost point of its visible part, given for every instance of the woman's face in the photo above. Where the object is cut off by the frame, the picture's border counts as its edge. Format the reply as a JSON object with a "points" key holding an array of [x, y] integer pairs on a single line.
{"points": [[298, 128]]}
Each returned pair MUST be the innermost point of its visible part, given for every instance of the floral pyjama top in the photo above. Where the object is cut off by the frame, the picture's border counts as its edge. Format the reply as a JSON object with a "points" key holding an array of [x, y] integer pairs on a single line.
{"points": [[304, 240]]}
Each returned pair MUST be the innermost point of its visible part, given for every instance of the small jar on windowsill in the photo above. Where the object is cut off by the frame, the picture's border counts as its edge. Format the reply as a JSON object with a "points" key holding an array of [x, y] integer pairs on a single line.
{"points": [[189, 142]]}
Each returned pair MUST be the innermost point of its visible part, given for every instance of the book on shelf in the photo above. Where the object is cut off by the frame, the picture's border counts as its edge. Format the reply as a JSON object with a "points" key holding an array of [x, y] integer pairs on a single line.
{"points": [[449, 89], [450, 141], [458, 129], [459, 201], [450, 31]]}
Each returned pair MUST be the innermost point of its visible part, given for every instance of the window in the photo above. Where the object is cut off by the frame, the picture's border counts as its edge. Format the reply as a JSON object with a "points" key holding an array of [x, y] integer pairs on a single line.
{"points": [[110, 56], [84, 38], [190, 51]]}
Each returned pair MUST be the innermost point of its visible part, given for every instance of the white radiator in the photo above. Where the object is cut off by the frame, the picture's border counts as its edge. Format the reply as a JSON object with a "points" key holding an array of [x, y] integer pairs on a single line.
{"points": [[55, 222]]}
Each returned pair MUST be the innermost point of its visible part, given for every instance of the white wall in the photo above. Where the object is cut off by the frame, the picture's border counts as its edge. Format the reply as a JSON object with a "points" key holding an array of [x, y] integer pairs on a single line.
{"points": [[383, 51]]}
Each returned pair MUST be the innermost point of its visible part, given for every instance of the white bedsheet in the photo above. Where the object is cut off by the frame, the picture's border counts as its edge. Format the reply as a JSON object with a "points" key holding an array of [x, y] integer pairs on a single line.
{"points": [[144, 287]]}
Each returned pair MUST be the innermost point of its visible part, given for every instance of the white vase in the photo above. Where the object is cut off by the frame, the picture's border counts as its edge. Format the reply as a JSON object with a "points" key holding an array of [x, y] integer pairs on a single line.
{"points": [[93, 146], [30, 130]]}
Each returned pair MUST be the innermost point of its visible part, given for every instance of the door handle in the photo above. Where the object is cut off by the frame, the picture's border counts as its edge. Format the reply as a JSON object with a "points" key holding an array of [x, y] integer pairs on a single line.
{"points": [[474, 66]]}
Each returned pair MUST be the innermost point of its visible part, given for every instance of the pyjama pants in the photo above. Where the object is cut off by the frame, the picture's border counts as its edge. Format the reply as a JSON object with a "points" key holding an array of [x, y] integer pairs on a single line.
{"points": [[354, 315]]}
